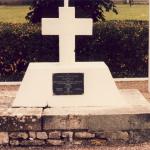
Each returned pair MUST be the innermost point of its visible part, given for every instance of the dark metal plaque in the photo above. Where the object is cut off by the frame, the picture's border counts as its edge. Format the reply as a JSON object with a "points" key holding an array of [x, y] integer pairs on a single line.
{"points": [[68, 83]]}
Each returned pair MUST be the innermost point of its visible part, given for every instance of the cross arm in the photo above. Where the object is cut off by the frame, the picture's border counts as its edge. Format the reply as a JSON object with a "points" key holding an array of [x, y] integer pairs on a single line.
{"points": [[50, 26], [83, 27]]}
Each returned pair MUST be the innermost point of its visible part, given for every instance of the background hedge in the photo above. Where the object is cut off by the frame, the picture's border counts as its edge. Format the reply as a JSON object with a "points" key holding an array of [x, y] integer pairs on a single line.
{"points": [[122, 45]]}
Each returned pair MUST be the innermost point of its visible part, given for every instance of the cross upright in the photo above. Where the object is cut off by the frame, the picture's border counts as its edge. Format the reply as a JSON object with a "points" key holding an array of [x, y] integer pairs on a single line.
{"points": [[67, 27]]}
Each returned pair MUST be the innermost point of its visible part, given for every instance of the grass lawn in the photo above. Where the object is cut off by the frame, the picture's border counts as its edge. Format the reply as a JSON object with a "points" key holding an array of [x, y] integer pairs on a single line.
{"points": [[125, 12], [13, 14], [16, 14]]}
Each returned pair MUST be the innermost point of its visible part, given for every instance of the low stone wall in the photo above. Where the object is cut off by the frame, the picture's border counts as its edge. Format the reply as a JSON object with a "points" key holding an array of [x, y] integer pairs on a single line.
{"points": [[87, 126], [93, 126], [73, 137]]}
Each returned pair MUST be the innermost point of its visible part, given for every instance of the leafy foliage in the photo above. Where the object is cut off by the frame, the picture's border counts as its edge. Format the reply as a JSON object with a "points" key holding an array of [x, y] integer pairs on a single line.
{"points": [[122, 45], [84, 8]]}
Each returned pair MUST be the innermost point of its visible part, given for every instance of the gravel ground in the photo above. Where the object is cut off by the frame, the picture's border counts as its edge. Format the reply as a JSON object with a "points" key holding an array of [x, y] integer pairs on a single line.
{"points": [[145, 146], [8, 93]]}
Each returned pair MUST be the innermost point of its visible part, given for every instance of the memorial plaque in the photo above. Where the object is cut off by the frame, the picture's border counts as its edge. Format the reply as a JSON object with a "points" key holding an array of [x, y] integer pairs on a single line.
{"points": [[68, 83]]}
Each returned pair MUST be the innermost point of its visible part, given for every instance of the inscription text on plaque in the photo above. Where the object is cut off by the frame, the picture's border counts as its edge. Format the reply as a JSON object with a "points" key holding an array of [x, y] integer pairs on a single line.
{"points": [[68, 83]]}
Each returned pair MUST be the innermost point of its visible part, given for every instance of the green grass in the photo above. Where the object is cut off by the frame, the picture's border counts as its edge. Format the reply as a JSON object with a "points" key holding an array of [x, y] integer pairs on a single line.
{"points": [[125, 12], [16, 14], [13, 14]]}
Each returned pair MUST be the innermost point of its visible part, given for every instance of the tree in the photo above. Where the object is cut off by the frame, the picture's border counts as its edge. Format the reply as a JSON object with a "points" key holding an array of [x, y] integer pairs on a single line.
{"points": [[84, 8]]}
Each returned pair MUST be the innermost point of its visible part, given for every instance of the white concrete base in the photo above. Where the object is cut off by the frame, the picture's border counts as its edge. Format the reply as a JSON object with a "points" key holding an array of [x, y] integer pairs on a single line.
{"points": [[137, 104], [18, 83], [99, 86]]}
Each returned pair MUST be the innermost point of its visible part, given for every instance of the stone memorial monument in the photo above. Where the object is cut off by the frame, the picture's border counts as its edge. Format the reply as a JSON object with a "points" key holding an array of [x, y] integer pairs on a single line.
{"points": [[68, 83]]}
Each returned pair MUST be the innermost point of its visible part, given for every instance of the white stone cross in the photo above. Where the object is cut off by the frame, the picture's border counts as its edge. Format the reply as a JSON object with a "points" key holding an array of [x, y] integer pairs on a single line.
{"points": [[67, 27]]}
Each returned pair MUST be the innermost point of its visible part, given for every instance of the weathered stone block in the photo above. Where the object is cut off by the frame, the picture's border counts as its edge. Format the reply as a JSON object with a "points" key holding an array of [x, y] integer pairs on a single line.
{"points": [[119, 122], [14, 142], [18, 135], [84, 135], [113, 135], [98, 142], [68, 135], [32, 143], [77, 142], [55, 142], [42, 135], [20, 119], [4, 139], [139, 136], [120, 136], [64, 122], [32, 135], [54, 135]]}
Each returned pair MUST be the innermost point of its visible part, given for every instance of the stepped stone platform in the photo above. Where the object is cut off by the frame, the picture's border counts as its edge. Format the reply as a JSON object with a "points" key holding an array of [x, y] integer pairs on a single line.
{"points": [[76, 125]]}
